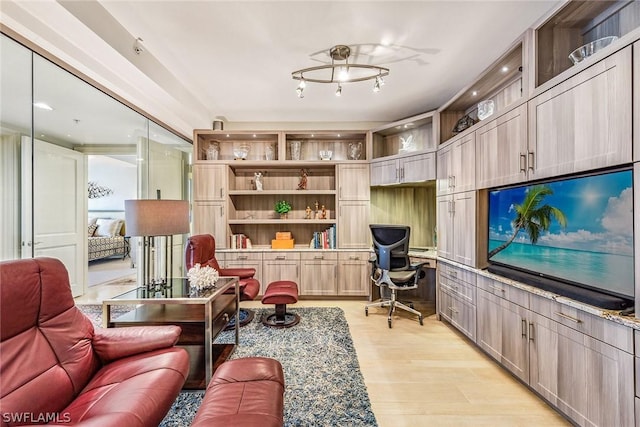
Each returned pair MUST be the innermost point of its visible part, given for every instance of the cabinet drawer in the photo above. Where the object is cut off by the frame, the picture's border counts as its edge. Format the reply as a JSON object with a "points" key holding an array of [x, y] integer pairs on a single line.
{"points": [[243, 256], [281, 256], [457, 274], [354, 256], [508, 292], [319, 256], [458, 289], [596, 327], [459, 313]]}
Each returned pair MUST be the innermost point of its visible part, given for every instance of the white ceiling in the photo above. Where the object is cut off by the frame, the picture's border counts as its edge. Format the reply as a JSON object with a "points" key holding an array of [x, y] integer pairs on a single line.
{"points": [[233, 59]]}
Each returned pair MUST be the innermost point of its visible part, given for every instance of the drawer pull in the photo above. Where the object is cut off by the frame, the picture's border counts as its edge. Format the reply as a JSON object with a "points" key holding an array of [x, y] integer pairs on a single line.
{"points": [[523, 162], [497, 288], [318, 257], [354, 258], [524, 328], [531, 331], [566, 316], [243, 257], [281, 257]]}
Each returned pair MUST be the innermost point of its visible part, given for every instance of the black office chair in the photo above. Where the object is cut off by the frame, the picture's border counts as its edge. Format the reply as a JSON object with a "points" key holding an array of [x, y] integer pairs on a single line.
{"points": [[391, 267]]}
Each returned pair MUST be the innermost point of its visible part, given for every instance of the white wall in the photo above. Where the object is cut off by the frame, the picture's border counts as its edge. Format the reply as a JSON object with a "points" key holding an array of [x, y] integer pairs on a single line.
{"points": [[118, 175]]}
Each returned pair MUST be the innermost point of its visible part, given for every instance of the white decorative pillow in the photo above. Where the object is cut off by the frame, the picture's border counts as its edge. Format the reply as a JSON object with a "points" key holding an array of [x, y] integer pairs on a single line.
{"points": [[92, 221], [108, 227]]}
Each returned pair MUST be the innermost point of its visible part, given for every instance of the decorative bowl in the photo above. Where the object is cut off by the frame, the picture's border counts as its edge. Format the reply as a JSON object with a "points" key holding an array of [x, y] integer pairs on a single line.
{"points": [[590, 48], [325, 154], [485, 109], [241, 152]]}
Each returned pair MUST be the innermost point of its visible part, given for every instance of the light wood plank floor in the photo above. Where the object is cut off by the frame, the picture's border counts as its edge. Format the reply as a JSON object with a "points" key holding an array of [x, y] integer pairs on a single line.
{"points": [[429, 375]]}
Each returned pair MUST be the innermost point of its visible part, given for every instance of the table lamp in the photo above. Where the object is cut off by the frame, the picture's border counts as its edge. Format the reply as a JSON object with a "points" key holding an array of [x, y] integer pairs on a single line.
{"points": [[149, 219]]}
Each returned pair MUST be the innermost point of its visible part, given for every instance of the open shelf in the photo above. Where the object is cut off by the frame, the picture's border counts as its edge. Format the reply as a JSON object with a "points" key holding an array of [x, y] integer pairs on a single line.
{"points": [[416, 133]]}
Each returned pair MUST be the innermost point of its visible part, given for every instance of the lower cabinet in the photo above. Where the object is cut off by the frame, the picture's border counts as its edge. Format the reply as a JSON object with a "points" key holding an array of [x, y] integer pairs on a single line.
{"points": [[246, 260], [280, 265], [319, 273], [457, 298], [353, 274], [580, 363], [209, 217]]}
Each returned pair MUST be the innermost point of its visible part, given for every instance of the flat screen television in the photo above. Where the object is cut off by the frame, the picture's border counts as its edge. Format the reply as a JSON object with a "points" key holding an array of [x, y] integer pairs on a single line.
{"points": [[572, 236]]}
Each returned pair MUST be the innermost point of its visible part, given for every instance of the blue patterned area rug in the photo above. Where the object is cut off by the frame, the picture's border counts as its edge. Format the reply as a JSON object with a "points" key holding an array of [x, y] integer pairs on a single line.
{"points": [[324, 385]]}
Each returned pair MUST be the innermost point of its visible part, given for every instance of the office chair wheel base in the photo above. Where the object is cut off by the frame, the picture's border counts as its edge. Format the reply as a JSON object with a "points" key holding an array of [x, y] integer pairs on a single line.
{"points": [[389, 321], [420, 319], [366, 311]]}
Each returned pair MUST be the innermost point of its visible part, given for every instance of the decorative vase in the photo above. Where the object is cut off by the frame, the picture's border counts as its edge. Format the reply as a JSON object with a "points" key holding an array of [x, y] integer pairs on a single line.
{"points": [[284, 215], [295, 150], [355, 150]]}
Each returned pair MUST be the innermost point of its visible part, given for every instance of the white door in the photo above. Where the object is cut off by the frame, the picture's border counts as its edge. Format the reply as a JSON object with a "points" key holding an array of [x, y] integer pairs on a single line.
{"points": [[54, 218]]}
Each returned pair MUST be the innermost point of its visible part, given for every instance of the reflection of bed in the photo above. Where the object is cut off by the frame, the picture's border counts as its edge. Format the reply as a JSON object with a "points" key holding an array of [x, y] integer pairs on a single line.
{"points": [[106, 238]]}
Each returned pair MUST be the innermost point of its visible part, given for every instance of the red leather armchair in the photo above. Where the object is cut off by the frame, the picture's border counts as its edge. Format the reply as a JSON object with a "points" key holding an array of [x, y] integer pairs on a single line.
{"points": [[201, 249], [57, 368]]}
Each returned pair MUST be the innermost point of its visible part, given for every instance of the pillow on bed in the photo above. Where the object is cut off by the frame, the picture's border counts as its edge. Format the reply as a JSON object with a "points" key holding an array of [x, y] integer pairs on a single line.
{"points": [[92, 229], [108, 227]]}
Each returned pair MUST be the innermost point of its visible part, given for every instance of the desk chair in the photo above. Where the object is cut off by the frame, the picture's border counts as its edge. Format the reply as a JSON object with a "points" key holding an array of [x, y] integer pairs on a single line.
{"points": [[391, 267]]}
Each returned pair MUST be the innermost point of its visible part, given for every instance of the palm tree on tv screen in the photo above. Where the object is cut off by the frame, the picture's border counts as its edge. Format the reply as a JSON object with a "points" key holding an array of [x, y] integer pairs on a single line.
{"points": [[532, 217]]}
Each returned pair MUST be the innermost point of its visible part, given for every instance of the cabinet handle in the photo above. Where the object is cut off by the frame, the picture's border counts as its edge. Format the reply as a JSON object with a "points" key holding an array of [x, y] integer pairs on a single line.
{"points": [[221, 195], [449, 181], [221, 211], [566, 316], [397, 174], [341, 192], [453, 207], [354, 258], [402, 173], [523, 162], [531, 337], [497, 288], [243, 257], [524, 328], [318, 257], [531, 160], [453, 178], [297, 272], [335, 271], [281, 257]]}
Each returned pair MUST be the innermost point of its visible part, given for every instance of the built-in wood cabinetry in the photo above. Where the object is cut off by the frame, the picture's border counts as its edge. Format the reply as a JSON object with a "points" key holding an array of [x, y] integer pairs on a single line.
{"points": [[574, 360], [209, 202], [501, 149], [457, 227], [244, 259], [584, 123], [456, 165], [404, 170], [353, 274], [353, 200], [318, 273], [457, 297], [636, 101], [280, 265]]}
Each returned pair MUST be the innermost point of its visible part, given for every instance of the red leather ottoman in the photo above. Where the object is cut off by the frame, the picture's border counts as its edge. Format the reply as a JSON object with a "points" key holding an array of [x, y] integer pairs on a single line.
{"points": [[281, 293], [244, 392]]}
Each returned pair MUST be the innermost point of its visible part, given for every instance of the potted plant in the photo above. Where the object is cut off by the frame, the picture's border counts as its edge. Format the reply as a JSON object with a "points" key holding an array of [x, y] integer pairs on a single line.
{"points": [[283, 207]]}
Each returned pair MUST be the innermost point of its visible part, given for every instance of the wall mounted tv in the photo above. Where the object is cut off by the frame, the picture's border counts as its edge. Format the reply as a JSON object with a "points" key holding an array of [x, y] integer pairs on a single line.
{"points": [[573, 237]]}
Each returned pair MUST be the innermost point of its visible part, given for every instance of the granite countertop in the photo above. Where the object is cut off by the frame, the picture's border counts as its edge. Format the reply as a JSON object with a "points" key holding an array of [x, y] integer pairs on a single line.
{"points": [[427, 252]]}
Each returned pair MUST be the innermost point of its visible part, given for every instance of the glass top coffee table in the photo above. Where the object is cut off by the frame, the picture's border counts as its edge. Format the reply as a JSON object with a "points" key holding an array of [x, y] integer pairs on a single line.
{"points": [[201, 315]]}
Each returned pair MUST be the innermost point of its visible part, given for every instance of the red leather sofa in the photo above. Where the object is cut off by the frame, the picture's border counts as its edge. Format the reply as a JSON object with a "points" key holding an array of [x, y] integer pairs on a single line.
{"points": [[56, 368], [201, 249]]}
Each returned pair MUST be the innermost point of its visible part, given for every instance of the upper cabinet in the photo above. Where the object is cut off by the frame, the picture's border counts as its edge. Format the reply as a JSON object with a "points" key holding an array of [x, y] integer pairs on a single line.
{"points": [[214, 145], [583, 123], [324, 146], [403, 151], [456, 165], [491, 93], [578, 24]]}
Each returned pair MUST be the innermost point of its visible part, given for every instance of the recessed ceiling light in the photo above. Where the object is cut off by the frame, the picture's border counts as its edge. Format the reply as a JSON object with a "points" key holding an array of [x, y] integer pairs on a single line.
{"points": [[505, 69], [42, 106], [474, 93]]}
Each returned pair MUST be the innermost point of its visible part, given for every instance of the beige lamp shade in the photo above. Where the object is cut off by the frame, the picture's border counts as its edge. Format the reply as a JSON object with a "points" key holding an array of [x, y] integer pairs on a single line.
{"points": [[156, 217]]}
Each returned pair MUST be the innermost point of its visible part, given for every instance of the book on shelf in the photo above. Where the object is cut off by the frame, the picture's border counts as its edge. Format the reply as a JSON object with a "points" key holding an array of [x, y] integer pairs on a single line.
{"points": [[324, 239], [239, 241]]}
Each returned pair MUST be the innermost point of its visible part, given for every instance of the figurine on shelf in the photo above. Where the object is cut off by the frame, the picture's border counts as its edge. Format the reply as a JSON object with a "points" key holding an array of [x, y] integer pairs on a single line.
{"points": [[323, 213], [316, 214], [303, 180], [257, 179], [307, 213]]}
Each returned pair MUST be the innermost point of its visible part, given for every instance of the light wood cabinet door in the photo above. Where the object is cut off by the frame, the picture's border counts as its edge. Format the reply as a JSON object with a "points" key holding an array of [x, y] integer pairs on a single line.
{"points": [[501, 150], [281, 266], [444, 170], [444, 207], [583, 123], [319, 274], [353, 181], [502, 332], [353, 225], [209, 182], [636, 105], [247, 260], [209, 217], [418, 168], [590, 381], [353, 274], [464, 228], [459, 313], [463, 163], [384, 172]]}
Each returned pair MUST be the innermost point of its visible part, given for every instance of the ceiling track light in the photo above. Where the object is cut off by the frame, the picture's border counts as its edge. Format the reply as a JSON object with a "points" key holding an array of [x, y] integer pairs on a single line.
{"points": [[340, 72]]}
